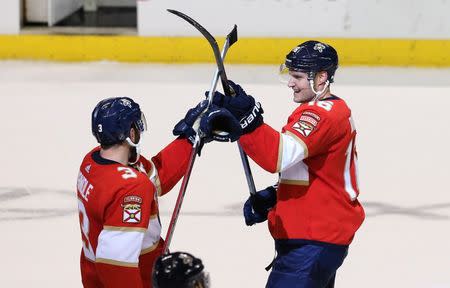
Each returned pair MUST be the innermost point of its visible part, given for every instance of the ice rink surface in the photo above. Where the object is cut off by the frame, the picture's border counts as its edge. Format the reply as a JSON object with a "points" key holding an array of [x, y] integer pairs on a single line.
{"points": [[403, 142]]}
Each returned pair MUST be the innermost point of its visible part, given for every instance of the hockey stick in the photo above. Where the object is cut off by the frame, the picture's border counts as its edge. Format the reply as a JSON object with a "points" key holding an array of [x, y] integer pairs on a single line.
{"points": [[223, 77], [196, 146]]}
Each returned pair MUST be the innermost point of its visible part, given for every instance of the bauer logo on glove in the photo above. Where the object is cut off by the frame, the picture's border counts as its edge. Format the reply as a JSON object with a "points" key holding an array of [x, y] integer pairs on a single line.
{"points": [[254, 114], [242, 106]]}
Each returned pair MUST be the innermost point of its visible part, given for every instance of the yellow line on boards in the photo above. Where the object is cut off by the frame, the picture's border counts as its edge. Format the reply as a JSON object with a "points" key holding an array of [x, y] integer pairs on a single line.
{"points": [[352, 51]]}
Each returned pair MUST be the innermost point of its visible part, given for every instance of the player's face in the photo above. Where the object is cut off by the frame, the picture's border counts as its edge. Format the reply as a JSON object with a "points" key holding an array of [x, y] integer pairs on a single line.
{"points": [[299, 83]]}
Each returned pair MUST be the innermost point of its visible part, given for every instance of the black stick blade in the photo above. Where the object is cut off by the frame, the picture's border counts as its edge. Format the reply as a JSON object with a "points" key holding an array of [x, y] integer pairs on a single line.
{"points": [[233, 36]]}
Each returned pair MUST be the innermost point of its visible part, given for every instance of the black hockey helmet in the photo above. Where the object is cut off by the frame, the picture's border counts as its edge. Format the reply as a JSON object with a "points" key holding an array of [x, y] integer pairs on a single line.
{"points": [[312, 57], [181, 270], [113, 118]]}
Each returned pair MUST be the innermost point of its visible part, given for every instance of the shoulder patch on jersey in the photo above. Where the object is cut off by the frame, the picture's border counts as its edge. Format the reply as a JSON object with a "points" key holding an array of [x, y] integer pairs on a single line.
{"points": [[131, 209], [307, 122]]}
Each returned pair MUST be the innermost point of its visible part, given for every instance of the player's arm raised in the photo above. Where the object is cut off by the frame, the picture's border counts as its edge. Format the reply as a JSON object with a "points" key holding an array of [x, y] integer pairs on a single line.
{"points": [[168, 166], [270, 149]]}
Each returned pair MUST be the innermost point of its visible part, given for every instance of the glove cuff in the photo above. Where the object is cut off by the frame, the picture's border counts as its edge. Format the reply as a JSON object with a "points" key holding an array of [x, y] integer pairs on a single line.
{"points": [[183, 130], [252, 119]]}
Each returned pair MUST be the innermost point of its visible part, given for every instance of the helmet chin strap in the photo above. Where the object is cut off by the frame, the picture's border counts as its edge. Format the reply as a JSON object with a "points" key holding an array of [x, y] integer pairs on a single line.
{"points": [[318, 93], [138, 149]]}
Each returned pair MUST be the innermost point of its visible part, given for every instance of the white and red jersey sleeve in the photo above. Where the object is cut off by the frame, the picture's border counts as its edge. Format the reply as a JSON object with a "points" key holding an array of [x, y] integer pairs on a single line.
{"points": [[264, 146], [308, 132], [120, 242]]}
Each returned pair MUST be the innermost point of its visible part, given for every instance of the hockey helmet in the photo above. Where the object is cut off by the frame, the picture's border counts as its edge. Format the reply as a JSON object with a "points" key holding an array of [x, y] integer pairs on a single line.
{"points": [[181, 270], [311, 57], [113, 118]]}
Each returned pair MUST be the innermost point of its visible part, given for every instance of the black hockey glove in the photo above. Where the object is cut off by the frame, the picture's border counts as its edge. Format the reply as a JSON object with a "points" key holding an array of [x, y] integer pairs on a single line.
{"points": [[214, 124], [188, 126], [242, 106], [257, 206], [220, 125]]}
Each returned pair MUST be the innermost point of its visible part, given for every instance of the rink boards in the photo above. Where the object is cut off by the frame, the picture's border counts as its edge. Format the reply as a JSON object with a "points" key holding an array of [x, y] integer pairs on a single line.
{"points": [[250, 50]]}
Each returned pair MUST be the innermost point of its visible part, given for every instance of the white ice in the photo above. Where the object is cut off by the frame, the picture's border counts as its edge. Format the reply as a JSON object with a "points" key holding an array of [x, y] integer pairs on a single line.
{"points": [[402, 120]]}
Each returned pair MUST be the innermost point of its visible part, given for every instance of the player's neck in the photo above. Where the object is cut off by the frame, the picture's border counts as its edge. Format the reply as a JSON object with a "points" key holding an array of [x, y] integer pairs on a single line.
{"points": [[117, 153], [325, 95]]}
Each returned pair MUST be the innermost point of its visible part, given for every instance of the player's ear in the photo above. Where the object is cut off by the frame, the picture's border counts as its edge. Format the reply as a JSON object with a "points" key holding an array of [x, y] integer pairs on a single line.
{"points": [[133, 134], [321, 77]]}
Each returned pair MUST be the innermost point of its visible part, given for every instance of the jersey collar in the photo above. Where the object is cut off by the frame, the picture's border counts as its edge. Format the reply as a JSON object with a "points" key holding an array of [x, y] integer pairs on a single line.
{"points": [[100, 160]]}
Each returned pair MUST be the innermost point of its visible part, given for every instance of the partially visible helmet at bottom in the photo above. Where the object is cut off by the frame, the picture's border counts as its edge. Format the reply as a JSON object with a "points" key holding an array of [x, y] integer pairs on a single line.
{"points": [[180, 270]]}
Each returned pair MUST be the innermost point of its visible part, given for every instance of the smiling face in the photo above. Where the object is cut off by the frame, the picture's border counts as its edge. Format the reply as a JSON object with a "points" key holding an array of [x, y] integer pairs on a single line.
{"points": [[301, 87], [299, 83]]}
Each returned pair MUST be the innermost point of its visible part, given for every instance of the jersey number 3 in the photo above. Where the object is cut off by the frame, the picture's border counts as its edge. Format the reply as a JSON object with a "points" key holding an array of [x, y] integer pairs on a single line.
{"points": [[84, 223], [127, 172]]}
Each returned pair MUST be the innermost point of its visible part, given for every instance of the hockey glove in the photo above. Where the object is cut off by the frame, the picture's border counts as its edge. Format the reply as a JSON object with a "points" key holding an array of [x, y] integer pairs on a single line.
{"points": [[258, 205], [189, 125], [220, 125], [242, 106]]}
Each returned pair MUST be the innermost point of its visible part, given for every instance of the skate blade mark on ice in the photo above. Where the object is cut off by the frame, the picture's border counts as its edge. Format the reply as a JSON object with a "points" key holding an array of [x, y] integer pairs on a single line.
{"points": [[424, 212], [26, 204], [19, 203]]}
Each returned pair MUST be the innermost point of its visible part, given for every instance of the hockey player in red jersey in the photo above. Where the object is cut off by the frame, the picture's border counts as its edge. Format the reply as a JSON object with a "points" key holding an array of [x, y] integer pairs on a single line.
{"points": [[117, 191], [313, 211]]}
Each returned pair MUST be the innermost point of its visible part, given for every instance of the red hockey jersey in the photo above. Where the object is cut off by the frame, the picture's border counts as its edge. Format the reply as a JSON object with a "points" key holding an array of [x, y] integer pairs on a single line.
{"points": [[118, 212], [315, 155]]}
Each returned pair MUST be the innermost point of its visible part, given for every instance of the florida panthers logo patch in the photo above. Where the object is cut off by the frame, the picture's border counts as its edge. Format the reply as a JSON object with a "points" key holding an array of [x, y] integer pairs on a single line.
{"points": [[307, 122], [125, 102], [319, 47], [131, 209]]}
